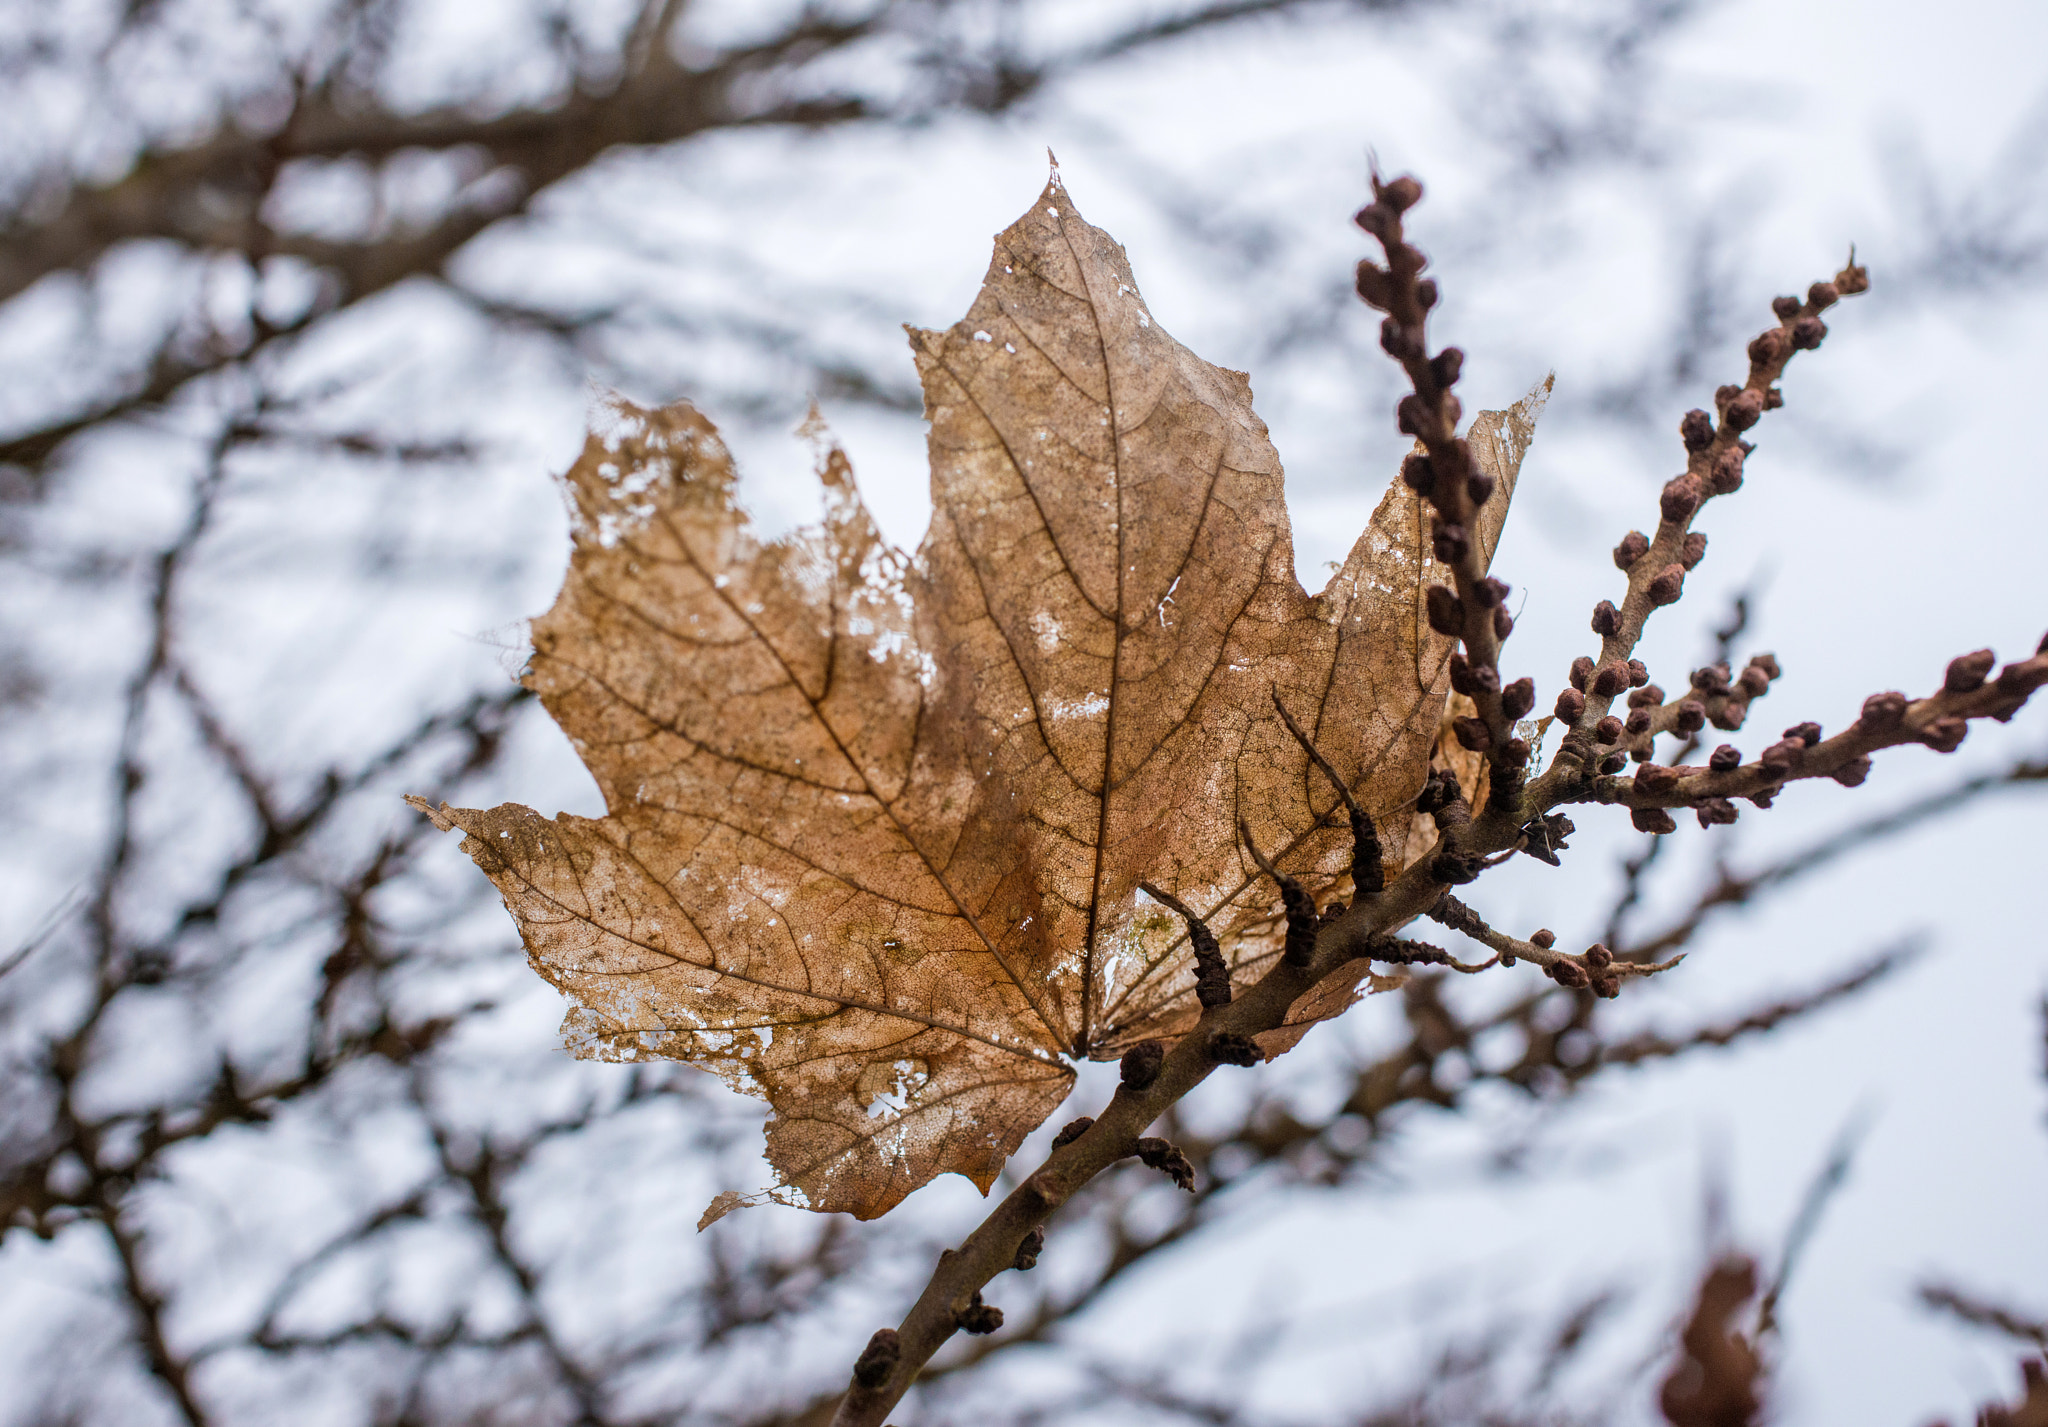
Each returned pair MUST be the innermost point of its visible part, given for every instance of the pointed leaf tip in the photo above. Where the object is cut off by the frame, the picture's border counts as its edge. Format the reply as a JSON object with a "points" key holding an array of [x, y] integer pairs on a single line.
{"points": [[721, 1206], [437, 816]]}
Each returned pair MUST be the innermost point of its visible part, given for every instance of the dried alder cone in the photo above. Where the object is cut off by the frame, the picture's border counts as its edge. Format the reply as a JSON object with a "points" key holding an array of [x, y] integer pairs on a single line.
{"points": [[876, 826]]}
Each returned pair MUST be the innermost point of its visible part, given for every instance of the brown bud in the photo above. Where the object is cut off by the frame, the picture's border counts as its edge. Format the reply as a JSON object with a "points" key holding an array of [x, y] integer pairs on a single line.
{"points": [[1807, 333], [1479, 486], [1638, 674], [1169, 1159], [1966, 671], [1852, 773], [1401, 194], [1754, 681], [1472, 733], [1730, 715], [1515, 752], [1696, 429], [1543, 937], [1647, 697], [1606, 619], [1454, 869], [1713, 811], [1782, 757], [1946, 734], [1401, 343], [1597, 957], [1632, 548], [1724, 394], [1610, 680], [1567, 973], [1582, 673], [1439, 791], [1637, 722], [1884, 712], [1608, 729], [1071, 1131], [1140, 1065], [1767, 347], [1490, 592], [1503, 623], [979, 1317], [1821, 296], [1725, 758], [1743, 412], [1417, 473], [1711, 679], [1517, 699], [1446, 612], [1692, 549], [1450, 543], [1680, 499], [1425, 293], [1656, 780], [1668, 586], [1807, 733], [1375, 283], [878, 1359], [1446, 365], [1410, 416], [1773, 398], [1607, 985], [1691, 716], [1726, 476], [1787, 308], [1570, 706], [1230, 1048], [1762, 796], [1766, 662], [1614, 763], [1029, 1249], [1652, 820]]}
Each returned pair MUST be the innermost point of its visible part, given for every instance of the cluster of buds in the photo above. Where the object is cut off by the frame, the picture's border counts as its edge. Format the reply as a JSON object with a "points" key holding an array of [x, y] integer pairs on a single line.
{"points": [[1473, 607], [1713, 696], [1656, 565], [1939, 721], [1595, 969], [1591, 970], [1442, 801]]}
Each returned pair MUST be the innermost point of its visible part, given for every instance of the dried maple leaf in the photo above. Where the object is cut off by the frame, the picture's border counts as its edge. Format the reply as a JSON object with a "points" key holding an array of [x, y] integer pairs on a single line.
{"points": [[875, 827]]}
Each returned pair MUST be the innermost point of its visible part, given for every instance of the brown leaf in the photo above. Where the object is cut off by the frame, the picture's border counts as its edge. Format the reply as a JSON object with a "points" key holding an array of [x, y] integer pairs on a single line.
{"points": [[874, 827], [720, 1206]]}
